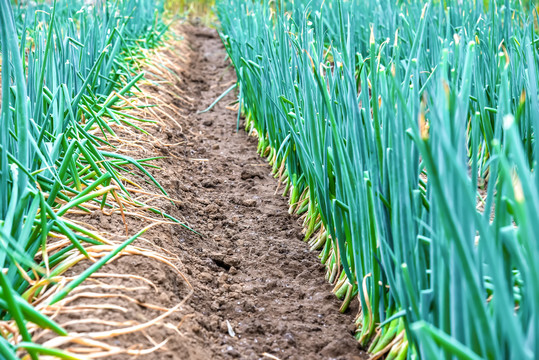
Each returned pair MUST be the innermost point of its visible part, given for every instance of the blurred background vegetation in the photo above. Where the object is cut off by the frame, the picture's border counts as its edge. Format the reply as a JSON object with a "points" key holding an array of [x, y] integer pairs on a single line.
{"points": [[197, 10]]}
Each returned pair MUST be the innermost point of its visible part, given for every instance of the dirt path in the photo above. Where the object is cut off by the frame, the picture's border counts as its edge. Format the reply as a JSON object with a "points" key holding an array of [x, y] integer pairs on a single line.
{"points": [[252, 275], [257, 274]]}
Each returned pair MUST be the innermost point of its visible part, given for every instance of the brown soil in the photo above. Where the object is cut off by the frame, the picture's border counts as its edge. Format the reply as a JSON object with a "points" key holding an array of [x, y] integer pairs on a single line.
{"points": [[257, 290]]}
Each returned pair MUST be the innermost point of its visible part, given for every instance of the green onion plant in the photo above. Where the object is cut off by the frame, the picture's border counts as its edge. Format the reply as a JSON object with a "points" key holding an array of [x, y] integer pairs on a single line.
{"points": [[404, 133], [66, 66]]}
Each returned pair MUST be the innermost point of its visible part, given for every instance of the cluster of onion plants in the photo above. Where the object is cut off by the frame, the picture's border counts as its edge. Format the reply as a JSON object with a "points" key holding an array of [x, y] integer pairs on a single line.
{"points": [[404, 133], [66, 68]]}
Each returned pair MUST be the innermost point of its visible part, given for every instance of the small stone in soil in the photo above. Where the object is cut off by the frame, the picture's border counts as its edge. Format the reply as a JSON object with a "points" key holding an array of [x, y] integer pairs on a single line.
{"points": [[232, 352], [235, 288], [196, 328], [206, 277], [224, 327], [249, 306], [222, 278], [290, 339], [249, 202], [210, 183], [233, 261], [208, 122], [250, 173]]}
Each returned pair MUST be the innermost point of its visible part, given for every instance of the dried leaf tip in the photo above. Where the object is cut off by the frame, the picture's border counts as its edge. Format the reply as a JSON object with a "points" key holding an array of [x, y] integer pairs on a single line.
{"points": [[423, 124], [517, 188], [456, 37], [523, 96], [424, 11]]}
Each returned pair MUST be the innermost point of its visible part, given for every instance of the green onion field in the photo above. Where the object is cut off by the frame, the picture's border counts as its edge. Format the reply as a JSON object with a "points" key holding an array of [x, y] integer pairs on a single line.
{"points": [[400, 137]]}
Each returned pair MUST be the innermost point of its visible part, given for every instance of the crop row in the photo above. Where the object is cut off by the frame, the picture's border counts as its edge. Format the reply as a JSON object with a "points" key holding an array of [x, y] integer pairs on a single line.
{"points": [[404, 132], [67, 69]]}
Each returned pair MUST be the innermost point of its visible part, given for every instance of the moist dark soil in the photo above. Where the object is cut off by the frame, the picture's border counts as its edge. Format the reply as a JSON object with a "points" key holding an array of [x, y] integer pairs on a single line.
{"points": [[257, 290]]}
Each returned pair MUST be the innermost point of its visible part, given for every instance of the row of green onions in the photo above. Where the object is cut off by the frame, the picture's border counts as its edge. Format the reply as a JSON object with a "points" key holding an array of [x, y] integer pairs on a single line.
{"points": [[65, 66], [404, 132]]}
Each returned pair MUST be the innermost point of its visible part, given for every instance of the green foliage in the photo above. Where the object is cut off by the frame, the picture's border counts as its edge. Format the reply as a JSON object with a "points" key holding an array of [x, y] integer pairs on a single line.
{"points": [[79, 57], [193, 8], [410, 128]]}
